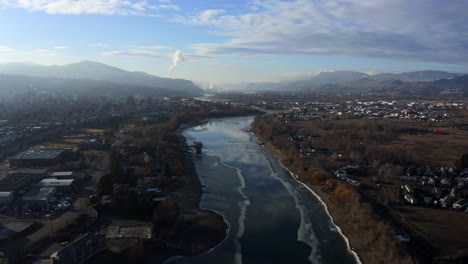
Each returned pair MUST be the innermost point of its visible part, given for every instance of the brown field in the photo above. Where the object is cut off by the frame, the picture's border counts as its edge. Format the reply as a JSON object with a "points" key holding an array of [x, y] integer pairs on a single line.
{"points": [[444, 230]]}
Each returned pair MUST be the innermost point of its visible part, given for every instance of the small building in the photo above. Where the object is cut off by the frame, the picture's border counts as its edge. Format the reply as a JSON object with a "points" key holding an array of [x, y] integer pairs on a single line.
{"points": [[36, 174], [62, 185], [92, 144], [80, 250], [15, 183], [6, 198], [39, 196], [40, 157], [74, 175]]}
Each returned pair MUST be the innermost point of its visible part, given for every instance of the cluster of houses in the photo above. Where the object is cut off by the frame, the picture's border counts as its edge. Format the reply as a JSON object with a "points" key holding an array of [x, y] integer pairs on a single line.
{"points": [[344, 172], [424, 111], [444, 187]]}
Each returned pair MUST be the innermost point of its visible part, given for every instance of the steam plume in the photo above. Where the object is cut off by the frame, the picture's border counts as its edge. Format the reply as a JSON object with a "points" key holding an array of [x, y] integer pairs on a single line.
{"points": [[176, 59]]}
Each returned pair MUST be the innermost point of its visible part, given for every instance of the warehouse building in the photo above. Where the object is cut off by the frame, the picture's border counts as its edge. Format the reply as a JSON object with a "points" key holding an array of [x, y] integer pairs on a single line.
{"points": [[6, 198], [39, 196], [41, 157], [74, 175], [62, 185], [36, 174], [15, 183]]}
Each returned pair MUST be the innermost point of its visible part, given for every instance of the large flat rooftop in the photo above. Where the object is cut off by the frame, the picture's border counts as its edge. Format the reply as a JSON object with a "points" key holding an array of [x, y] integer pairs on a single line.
{"points": [[28, 171], [40, 154]]}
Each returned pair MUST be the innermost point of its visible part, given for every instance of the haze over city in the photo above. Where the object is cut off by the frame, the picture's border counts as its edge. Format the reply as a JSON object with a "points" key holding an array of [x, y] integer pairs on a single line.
{"points": [[237, 41]]}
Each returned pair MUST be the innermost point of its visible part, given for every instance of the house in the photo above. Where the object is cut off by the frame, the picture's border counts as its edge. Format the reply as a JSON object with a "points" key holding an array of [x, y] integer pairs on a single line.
{"points": [[92, 144]]}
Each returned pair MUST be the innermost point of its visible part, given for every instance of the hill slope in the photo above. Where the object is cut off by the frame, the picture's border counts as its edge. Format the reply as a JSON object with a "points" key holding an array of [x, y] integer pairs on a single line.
{"points": [[89, 70]]}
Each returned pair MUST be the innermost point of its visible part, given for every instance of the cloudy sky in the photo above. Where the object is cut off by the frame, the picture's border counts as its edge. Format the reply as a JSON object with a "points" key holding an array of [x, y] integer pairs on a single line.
{"points": [[239, 40]]}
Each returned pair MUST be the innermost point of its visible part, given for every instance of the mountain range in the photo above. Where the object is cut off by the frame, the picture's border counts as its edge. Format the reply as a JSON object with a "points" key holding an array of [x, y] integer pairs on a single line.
{"points": [[324, 79], [422, 83], [83, 76], [92, 78]]}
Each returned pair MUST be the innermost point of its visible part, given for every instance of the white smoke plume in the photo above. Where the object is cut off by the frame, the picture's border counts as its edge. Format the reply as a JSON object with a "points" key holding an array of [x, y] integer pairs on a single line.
{"points": [[176, 59]]}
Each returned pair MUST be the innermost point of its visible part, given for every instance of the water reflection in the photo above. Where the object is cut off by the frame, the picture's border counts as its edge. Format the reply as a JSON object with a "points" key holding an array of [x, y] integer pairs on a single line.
{"points": [[272, 218]]}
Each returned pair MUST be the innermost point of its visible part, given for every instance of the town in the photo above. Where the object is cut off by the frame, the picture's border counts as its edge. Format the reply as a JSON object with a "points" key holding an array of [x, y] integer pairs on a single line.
{"points": [[406, 158], [103, 181]]}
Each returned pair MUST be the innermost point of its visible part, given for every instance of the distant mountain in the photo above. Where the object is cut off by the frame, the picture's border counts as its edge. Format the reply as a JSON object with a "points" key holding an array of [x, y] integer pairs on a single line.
{"points": [[364, 85], [339, 77], [11, 85], [89, 70], [454, 86], [424, 76]]}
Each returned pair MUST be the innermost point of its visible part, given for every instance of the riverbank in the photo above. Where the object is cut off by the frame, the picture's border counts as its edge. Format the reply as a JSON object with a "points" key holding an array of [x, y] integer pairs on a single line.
{"points": [[199, 230], [367, 243]]}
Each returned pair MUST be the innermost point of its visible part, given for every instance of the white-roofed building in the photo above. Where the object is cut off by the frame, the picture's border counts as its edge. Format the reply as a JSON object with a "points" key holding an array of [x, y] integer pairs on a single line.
{"points": [[61, 184], [6, 197], [62, 175]]}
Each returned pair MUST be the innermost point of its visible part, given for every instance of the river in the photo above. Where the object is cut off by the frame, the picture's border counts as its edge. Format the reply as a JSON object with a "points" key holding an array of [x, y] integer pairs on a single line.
{"points": [[272, 218]]}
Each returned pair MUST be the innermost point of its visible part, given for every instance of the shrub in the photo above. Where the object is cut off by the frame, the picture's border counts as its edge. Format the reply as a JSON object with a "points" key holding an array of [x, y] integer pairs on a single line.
{"points": [[318, 176], [343, 192]]}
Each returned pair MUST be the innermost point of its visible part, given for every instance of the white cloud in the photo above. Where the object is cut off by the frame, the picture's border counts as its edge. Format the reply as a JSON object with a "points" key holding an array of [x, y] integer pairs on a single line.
{"points": [[7, 50], [12, 51], [98, 44], [134, 53], [156, 47], [60, 47], [100, 7], [169, 6], [423, 30]]}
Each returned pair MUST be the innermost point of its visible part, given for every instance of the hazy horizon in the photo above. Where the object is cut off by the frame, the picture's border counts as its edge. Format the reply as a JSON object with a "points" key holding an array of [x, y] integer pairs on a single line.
{"points": [[238, 41]]}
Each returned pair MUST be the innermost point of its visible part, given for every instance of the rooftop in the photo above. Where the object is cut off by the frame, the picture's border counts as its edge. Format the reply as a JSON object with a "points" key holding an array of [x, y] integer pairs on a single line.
{"points": [[55, 182], [65, 173], [29, 171], [5, 194], [39, 153], [39, 194], [12, 180]]}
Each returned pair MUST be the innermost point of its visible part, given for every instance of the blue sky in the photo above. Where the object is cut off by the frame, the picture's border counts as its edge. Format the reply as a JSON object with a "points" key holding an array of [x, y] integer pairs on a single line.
{"points": [[237, 41]]}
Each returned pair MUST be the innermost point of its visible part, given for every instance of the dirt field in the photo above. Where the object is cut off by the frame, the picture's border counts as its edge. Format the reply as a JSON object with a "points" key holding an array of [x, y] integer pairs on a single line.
{"points": [[444, 230]]}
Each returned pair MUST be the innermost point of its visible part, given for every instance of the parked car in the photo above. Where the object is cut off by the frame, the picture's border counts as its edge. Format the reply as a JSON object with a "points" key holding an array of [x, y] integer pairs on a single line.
{"points": [[460, 204], [411, 198]]}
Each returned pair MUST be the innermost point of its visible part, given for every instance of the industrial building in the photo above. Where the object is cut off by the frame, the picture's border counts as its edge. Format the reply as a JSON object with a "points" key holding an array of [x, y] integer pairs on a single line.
{"points": [[62, 185], [40, 157], [36, 174], [6, 198], [14, 183], [39, 196], [74, 175]]}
